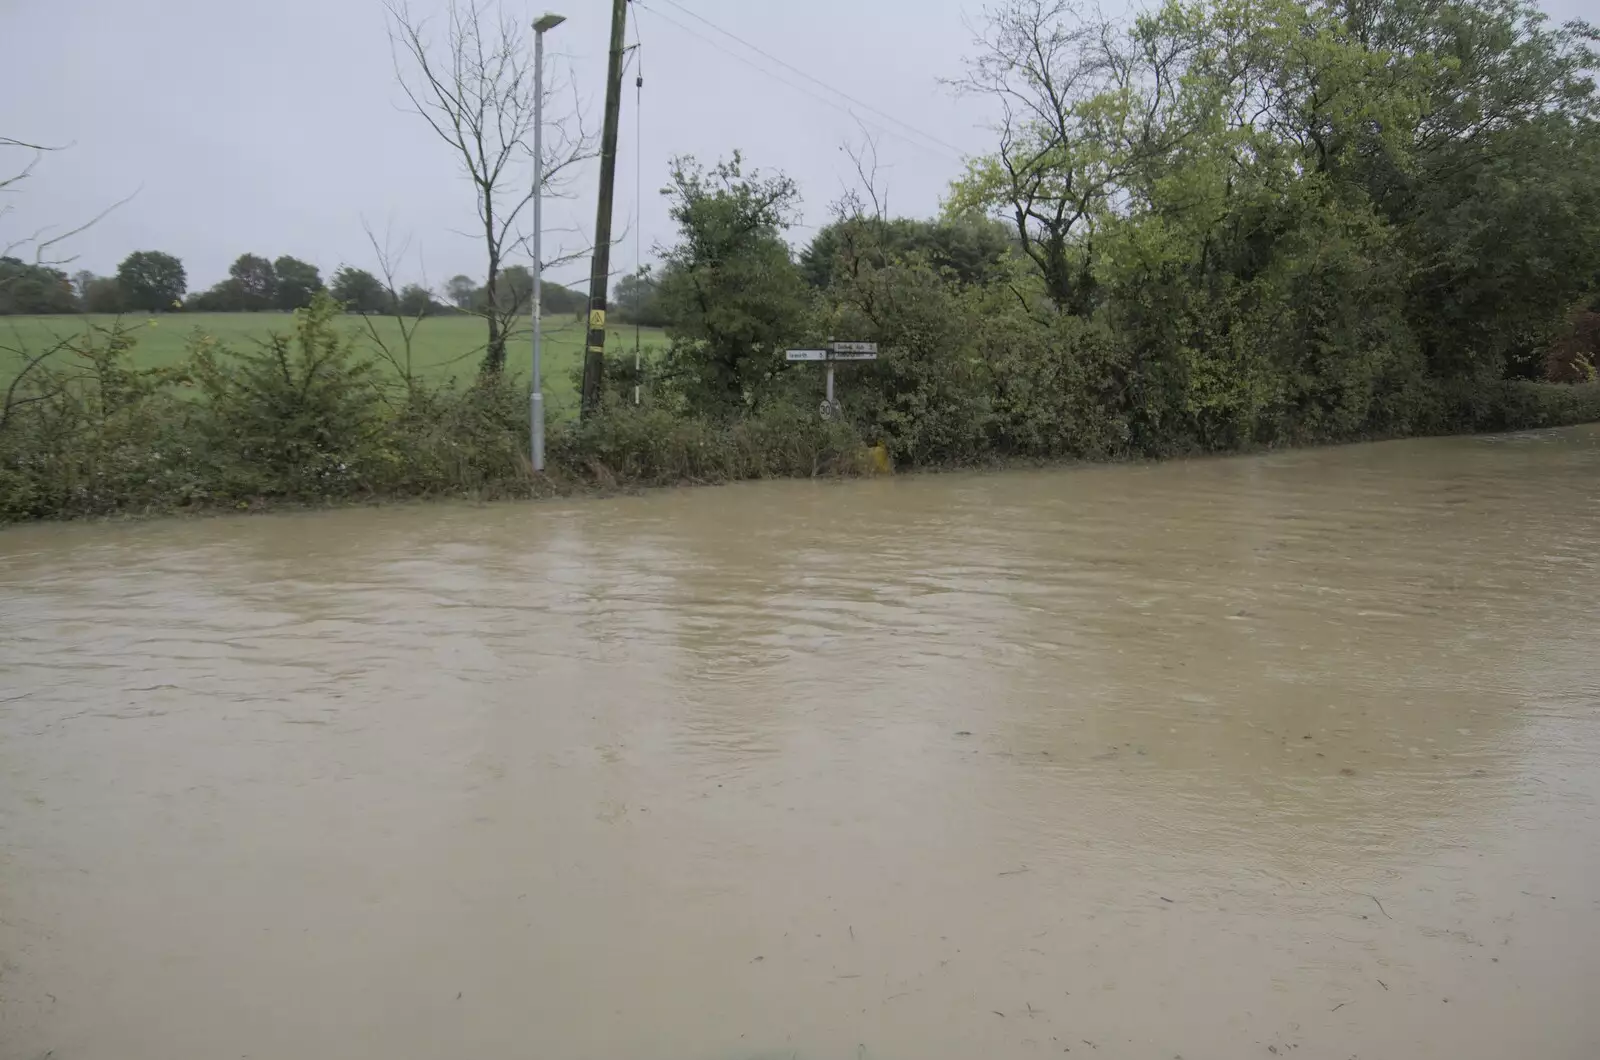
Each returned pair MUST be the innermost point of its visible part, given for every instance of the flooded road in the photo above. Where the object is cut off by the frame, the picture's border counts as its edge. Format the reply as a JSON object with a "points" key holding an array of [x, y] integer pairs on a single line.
{"points": [[1294, 755]]}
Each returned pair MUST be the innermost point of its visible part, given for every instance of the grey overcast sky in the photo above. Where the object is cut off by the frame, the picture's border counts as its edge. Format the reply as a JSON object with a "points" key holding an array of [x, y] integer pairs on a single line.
{"points": [[276, 127]]}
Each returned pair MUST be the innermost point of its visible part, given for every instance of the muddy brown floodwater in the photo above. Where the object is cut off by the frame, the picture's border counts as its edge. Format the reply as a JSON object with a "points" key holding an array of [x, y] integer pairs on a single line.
{"points": [[1295, 754]]}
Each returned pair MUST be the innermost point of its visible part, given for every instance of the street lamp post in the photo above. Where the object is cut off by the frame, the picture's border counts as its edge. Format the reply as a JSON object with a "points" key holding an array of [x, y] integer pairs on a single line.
{"points": [[545, 24]]}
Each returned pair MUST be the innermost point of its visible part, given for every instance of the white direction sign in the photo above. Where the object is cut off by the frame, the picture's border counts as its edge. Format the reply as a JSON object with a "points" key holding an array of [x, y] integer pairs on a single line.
{"points": [[841, 351]]}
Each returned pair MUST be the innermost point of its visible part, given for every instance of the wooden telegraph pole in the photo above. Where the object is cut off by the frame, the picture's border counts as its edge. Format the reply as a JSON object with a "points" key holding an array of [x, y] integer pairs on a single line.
{"points": [[594, 362]]}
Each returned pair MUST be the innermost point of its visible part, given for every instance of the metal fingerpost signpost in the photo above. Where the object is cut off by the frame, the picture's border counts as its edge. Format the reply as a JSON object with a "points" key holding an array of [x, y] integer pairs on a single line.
{"points": [[836, 351]]}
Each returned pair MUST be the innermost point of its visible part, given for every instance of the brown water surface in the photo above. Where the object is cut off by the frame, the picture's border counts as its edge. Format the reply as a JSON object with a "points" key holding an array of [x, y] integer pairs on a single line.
{"points": [[1294, 754]]}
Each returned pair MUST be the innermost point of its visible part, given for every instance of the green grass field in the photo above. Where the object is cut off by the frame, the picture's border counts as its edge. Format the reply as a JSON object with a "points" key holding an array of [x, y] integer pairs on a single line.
{"points": [[444, 348]]}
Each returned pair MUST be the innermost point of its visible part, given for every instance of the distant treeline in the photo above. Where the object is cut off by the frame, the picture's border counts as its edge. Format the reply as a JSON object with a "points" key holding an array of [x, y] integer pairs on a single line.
{"points": [[152, 281]]}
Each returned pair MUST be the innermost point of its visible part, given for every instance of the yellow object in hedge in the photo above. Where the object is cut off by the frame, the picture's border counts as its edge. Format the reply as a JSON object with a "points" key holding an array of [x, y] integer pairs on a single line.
{"points": [[878, 459]]}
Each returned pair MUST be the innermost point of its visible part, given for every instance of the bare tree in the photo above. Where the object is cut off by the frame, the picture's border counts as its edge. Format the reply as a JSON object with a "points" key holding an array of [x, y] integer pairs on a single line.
{"points": [[45, 245], [864, 160], [396, 344], [395, 348], [32, 379], [854, 245], [476, 89]]}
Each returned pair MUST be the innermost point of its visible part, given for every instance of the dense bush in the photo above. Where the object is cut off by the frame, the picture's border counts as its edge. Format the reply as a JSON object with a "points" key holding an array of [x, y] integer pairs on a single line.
{"points": [[307, 418], [1511, 405], [83, 433], [300, 415], [654, 447], [1575, 353]]}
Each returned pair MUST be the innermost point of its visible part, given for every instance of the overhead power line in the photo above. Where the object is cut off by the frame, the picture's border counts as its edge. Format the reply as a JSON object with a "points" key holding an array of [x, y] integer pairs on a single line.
{"points": [[918, 138], [814, 80]]}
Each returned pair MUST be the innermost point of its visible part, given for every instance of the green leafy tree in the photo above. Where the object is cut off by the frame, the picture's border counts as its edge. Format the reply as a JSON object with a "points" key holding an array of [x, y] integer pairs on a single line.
{"points": [[515, 290], [151, 281], [359, 291], [103, 295], [969, 247], [460, 290], [638, 300], [225, 297], [416, 300], [515, 294], [31, 288], [731, 295], [257, 282], [297, 282], [561, 301], [80, 284], [1291, 216], [1494, 192], [1251, 283]]}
